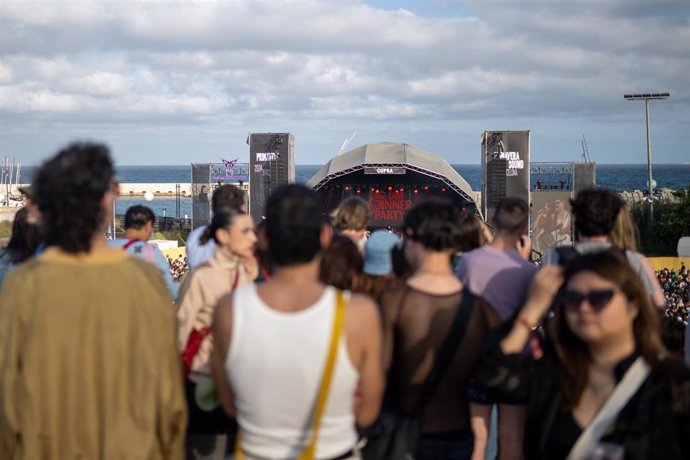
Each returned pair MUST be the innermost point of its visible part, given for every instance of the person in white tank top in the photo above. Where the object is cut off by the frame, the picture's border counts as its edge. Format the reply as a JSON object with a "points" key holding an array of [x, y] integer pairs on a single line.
{"points": [[272, 341]]}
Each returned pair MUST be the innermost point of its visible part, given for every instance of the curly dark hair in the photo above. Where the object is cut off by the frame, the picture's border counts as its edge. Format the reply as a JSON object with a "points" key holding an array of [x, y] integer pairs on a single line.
{"points": [[435, 224], [68, 190]]}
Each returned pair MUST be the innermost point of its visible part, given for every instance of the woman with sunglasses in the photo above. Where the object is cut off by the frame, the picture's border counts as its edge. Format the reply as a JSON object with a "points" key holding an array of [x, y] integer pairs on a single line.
{"points": [[605, 342]]}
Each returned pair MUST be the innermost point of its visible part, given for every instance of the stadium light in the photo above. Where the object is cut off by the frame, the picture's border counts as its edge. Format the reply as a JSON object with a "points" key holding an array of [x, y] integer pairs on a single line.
{"points": [[646, 97]]}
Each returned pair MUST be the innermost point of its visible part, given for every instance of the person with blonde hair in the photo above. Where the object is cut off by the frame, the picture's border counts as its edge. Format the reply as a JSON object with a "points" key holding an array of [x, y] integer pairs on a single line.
{"points": [[351, 219], [624, 235]]}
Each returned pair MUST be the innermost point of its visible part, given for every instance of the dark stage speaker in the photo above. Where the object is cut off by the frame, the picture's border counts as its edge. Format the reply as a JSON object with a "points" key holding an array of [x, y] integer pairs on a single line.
{"points": [[495, 185], [505, 168], [201, 195], [585, 176], [271, 165]]}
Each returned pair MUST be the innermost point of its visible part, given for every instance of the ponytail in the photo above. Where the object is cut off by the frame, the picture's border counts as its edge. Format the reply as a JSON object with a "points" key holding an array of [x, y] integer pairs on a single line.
{"points": [[207, 235], [221, 219]]}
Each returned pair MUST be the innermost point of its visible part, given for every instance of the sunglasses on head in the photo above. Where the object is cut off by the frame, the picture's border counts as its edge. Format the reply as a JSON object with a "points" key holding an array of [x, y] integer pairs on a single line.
{"points": [[596, 299]]}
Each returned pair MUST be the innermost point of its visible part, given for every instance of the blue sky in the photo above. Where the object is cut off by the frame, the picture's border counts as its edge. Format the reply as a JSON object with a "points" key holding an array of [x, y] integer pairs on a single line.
{"points": [[166, 82]]}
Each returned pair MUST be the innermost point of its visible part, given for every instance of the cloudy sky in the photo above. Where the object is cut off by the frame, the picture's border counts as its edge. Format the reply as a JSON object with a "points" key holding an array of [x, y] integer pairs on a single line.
{"points": [[168, 82]]}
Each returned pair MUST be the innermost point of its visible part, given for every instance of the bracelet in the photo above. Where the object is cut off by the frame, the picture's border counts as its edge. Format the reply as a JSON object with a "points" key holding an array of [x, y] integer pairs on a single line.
{"points": [[533, 341], [522, 321]]}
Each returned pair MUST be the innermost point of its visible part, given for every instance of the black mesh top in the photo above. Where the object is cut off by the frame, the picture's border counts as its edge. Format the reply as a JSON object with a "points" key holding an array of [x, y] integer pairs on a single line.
{"points": [[415, 326]]}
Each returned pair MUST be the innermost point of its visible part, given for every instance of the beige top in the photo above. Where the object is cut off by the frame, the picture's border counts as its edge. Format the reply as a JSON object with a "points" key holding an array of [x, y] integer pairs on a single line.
{"points": [[199, 295], [88, 363]]}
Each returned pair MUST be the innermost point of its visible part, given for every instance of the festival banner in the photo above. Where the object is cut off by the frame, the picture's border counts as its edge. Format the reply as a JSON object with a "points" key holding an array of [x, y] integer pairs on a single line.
{"points": [[229, 172]]}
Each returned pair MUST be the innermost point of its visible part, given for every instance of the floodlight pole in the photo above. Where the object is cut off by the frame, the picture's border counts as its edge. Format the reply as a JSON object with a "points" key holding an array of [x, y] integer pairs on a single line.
{"points": [[646, 98], [649, 150]]}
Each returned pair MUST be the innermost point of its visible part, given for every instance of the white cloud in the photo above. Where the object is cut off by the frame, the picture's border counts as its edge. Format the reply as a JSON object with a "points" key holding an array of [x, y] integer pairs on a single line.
{"points": [[299, 63], [104, 84], [5, 74]]}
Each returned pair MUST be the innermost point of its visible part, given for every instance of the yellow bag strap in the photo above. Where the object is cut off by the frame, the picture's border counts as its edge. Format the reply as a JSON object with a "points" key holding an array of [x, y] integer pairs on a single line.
{"points": [[309, 452]]}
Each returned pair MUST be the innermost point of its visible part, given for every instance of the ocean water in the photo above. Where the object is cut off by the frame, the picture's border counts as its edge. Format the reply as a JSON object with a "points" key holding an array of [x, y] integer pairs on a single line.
{"points": [[620, 177]]}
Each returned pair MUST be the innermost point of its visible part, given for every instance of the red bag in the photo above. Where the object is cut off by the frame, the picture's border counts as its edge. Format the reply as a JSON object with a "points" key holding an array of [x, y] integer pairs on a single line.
{"points": [[198, 335], [193, 344]]}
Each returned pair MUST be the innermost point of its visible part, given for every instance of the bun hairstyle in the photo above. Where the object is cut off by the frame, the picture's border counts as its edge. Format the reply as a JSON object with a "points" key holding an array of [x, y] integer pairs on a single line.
{"points": [[222, 218]]}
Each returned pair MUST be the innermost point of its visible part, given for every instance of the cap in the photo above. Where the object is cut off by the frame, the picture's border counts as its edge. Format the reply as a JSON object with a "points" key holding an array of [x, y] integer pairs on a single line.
{"points": [[377, 253]]}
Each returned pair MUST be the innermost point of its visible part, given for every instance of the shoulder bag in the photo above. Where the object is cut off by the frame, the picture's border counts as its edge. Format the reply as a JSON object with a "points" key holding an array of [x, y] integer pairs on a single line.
{"points": [[590, 437], [396, 435]]}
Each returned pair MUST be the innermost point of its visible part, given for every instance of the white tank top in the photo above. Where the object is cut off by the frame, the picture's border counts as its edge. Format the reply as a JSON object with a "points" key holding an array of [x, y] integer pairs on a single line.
{"points": [[275, 364]]}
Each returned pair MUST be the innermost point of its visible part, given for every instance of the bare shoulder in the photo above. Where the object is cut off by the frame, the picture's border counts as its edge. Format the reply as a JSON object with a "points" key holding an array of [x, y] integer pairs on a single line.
{"points": [[223, 313], [362, 310], [362, 303]]}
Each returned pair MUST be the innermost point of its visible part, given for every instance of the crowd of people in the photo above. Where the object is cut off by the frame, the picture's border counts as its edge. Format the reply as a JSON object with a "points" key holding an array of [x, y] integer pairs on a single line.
{"points": [[676, 286], [312, 336], [178, 267]]}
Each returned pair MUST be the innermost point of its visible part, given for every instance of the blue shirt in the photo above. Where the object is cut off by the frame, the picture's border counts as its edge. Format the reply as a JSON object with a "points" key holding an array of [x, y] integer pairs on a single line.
{"points": [[150, 253], [198, 253]]}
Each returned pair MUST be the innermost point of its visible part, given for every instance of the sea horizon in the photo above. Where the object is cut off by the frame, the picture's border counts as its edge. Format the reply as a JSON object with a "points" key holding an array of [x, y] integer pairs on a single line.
{"points": [[619, 177]]}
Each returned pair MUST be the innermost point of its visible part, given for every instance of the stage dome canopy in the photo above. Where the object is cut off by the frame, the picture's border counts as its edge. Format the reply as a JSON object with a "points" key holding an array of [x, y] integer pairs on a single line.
{"points": [[389, 162]]}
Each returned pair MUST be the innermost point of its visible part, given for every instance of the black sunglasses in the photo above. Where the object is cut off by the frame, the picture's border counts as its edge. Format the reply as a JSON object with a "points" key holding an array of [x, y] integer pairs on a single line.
{"points": [[597, 299]]}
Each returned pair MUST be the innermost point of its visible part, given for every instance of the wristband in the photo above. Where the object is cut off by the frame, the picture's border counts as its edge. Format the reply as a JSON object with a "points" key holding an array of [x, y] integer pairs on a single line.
{"points": [[533, 341], [522, 321]]}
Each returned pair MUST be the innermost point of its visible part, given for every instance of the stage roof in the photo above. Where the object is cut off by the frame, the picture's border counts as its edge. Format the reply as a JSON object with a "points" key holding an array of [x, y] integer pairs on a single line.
{"points": [[388, 154]]}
